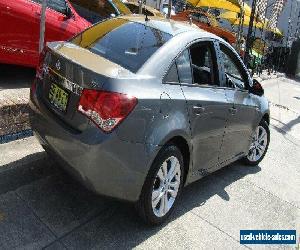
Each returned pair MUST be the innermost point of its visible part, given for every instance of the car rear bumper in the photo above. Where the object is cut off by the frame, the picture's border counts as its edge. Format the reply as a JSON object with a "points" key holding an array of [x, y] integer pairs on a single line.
{"points": [[102, 162]]}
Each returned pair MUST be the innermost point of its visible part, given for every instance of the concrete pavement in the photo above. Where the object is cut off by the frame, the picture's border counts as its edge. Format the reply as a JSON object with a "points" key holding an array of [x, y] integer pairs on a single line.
{"points": [[42, 207], [284, 97]]}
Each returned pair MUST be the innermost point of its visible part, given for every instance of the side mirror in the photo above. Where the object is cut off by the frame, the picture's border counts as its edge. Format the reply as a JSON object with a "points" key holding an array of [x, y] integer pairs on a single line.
{"points": [[257, 89]]}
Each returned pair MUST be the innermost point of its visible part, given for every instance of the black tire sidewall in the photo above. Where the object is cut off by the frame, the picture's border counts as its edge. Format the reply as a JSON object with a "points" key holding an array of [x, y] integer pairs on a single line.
{"points": [[146, 195]]}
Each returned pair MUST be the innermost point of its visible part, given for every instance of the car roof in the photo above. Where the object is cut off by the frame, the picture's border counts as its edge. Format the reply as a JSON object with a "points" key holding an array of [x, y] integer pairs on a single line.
{"points": [[168, 25]]}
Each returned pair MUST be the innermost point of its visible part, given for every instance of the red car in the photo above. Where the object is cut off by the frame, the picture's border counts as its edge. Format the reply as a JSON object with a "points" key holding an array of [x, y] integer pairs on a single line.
{"points": [[20, 24]]}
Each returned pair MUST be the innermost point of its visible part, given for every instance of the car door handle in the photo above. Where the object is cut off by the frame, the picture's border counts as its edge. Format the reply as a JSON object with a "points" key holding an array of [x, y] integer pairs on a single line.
{"points": [[233, 110], [198, 109]]}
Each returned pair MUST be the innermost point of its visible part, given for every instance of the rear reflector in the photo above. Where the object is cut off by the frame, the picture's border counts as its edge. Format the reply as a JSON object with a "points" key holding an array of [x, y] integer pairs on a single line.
{"points": [[105, 109]]}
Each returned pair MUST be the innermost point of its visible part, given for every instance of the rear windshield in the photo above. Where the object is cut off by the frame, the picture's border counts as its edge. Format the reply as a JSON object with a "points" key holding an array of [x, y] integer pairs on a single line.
{"points": [[123, 42]]}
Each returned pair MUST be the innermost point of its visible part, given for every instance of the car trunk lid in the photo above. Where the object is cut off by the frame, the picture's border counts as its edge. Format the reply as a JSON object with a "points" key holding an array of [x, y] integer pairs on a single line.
{"points": [[70, 69]]}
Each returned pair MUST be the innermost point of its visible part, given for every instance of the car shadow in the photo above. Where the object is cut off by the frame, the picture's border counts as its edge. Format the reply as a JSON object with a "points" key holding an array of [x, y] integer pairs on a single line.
{"points": [[13, 76], [216, 183], [25, 171], [121, 228], [81, 219]]}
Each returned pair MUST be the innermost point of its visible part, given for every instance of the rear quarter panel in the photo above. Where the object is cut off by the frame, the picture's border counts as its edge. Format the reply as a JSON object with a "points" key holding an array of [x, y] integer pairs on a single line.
{"points": [[159, 115]]}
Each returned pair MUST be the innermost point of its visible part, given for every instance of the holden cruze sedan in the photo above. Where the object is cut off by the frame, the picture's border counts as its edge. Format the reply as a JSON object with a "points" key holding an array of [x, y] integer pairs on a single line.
{"points": [[138, 109]]}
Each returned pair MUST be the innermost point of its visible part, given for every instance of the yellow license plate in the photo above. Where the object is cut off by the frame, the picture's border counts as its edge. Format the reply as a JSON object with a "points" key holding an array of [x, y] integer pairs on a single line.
{"points": [[58, 97]]}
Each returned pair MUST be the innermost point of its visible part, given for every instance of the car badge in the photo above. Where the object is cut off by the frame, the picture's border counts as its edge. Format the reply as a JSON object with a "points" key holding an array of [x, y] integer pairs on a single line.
{"points": [[57, 65]]}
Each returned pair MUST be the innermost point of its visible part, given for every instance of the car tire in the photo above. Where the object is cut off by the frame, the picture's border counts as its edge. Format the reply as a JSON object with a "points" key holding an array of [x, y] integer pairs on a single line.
{"points": [[259, 145], [162, 189]]}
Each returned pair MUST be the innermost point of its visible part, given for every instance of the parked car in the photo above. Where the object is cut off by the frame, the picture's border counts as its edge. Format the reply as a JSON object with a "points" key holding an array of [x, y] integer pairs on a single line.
{"points": [[207, 22], [20, 25], [98, 10], [134, 8], [139, 119]]}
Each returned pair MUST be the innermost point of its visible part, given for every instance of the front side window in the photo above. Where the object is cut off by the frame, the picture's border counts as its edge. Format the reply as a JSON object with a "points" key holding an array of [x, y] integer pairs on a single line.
{"points": [[236, 76], [123, 42]]}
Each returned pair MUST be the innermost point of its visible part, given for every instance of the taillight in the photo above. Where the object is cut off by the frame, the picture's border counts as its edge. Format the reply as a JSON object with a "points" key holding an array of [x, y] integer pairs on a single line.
{"points": [[106, 109]]}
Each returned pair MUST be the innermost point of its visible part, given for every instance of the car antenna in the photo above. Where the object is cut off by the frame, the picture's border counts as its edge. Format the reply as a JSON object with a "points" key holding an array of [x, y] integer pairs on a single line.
{"points": [[146, 15]]}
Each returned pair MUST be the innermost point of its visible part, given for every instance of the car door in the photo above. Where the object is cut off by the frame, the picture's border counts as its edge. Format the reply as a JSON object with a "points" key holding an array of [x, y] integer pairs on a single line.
{"points": [[244, 110], [16, 42], [206, 102], [59, 26]]}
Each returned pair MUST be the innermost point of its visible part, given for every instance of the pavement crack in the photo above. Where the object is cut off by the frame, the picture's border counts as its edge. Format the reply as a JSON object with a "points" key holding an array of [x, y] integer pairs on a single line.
{"points": [[219, 229], [274, 195], [58, 239], [36, 215]]}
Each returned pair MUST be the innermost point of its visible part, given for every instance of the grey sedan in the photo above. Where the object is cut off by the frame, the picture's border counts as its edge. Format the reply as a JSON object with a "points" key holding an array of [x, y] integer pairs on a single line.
{"points": [[136, 109]]}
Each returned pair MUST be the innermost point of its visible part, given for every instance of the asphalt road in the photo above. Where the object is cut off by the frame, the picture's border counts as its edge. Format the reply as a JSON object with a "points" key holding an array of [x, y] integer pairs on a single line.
{"points": [[42, 207]]}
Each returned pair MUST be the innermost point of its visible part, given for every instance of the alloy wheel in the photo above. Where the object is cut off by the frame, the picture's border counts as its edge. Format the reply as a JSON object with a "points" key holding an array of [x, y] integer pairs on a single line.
{"points": [[166, 186], [258, 145]]}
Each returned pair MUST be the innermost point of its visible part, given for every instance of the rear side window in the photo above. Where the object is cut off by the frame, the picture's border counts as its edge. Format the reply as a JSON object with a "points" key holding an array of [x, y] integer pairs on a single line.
{"points": [[204, 63], [172, 75], [126, 43], [184, 67]]}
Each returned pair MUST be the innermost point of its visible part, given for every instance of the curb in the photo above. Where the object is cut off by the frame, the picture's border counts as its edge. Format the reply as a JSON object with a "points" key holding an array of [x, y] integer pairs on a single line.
{"points": [[14, 115], [15, 136]]}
